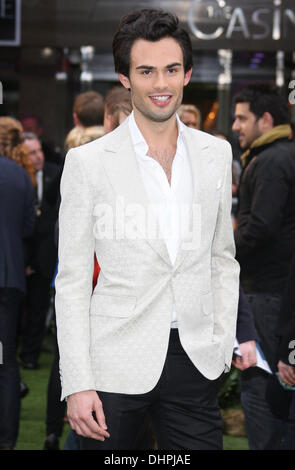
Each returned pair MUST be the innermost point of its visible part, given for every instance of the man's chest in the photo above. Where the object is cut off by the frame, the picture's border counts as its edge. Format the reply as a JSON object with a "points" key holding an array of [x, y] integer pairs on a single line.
{"points": [[165, 159]]}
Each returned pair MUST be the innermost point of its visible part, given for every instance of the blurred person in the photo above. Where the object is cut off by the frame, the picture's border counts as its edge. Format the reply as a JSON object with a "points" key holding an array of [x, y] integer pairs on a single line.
{"points": [[190, 115], [17, 222], [12, 132], [88, 109], [265, 238], [81, 135], [118, 106], [119, 357], [32, 124], [88, 112], [286, 331], [55, 410], [41, 254], [280, 393], [236, 170]]}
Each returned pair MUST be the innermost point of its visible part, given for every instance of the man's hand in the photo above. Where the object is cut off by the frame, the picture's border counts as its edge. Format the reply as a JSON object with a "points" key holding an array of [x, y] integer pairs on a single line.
{"points": [[286, 373], [248, 358], [81, 405]]}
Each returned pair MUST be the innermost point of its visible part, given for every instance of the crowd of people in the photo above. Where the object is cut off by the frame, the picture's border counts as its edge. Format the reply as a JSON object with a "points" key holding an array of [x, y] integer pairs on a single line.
{"points": [[264, 230], [30, 180]]}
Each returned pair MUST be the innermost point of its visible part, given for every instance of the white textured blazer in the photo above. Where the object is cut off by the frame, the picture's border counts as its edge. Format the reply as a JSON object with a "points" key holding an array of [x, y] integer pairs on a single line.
{"points": [[115, 339]]}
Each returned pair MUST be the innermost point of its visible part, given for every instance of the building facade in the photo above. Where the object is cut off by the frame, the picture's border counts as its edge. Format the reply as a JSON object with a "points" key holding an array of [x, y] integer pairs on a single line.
{"points": [[62, 47]]}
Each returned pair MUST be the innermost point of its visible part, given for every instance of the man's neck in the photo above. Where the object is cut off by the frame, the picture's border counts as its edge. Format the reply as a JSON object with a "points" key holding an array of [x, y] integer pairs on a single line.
{"points": [[161, 138], [157, 134]]}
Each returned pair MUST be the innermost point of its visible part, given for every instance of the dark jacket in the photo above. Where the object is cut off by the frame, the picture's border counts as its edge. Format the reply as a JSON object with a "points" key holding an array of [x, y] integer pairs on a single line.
{"points": [[286, 325], [265, 234], [246, 330], [17, 217], [41, 251]]}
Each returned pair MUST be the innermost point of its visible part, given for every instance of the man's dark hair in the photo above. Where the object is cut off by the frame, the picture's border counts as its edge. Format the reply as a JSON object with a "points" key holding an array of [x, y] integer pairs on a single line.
{"points": [[150, 25], [89, 108], [265, 98]]}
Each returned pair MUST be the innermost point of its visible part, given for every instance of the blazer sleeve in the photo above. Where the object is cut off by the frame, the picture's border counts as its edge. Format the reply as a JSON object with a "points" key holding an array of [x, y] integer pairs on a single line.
{"points": [[74, 279], [225, 268]]}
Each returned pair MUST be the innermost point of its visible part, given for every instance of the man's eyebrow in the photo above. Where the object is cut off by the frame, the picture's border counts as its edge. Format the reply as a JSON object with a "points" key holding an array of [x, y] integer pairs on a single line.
{"points": [[145, 67], [150, 67], [176, 64]]}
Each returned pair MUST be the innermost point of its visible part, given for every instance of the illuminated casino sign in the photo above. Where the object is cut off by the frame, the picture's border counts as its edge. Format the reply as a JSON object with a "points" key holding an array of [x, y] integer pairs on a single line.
{"points": [[243, 24], [266, 25]]}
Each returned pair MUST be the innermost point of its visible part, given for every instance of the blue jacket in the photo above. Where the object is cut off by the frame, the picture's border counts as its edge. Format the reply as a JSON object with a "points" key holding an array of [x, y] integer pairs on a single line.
{"points": [[17, 219]]}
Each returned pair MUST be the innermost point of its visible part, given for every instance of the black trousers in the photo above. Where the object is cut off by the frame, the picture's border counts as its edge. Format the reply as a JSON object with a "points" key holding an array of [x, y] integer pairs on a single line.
{"points": [[33, 324], [183, 408], [55, 409]]}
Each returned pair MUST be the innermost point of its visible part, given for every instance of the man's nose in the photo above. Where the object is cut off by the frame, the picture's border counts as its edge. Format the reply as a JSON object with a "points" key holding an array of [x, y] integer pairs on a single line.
{"points": [[160, 82], [235, 126]]}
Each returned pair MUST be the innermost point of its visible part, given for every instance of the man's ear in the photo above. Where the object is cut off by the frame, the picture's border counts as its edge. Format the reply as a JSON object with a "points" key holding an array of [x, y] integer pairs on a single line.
{"points": [[76, 120], [267, 121], [187, 76], [124, 80]]}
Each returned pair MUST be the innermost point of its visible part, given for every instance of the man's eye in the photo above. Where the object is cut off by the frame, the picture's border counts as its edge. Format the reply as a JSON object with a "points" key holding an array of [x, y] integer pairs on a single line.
{"points": [[146, 72]]}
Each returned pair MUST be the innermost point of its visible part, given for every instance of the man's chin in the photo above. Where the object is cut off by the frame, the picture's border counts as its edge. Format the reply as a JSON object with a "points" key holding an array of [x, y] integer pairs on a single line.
{"points": [[161, 117], [243, 145]]}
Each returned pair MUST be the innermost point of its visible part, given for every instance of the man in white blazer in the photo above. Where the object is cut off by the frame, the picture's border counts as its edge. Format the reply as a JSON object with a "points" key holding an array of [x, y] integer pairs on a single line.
{"points": [[152, 199]]}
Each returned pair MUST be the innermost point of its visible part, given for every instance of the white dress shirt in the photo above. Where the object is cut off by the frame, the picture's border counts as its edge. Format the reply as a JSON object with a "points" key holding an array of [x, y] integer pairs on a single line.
{"points": [[171, 202]]}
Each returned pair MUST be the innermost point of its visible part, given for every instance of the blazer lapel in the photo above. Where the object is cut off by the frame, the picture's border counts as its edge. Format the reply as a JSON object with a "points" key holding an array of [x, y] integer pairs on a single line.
{"points": [[201, 159], [120, 163]]}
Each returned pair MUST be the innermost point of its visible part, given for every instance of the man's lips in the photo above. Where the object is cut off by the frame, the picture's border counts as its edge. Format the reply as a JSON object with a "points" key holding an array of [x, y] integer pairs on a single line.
{"points": [[160, 100]]}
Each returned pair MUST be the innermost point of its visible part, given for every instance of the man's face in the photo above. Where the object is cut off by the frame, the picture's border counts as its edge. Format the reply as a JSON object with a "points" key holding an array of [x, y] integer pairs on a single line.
{"points": [[156, 78], [35, 152], [246, 125]]}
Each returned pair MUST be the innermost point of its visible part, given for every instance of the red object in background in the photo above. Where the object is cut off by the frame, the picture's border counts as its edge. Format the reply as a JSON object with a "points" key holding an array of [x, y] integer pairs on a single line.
{"points": [[95, 272]]}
